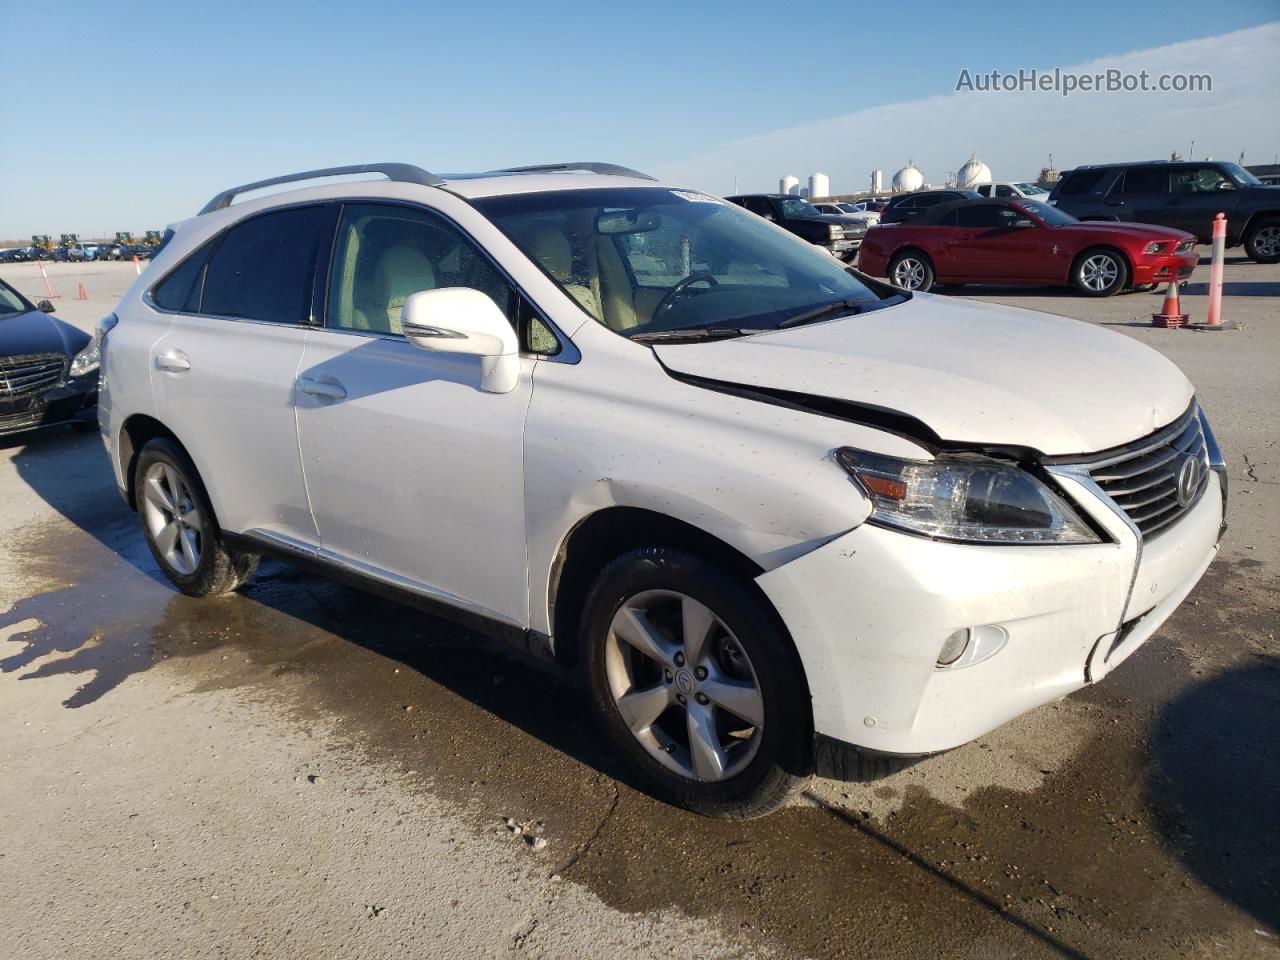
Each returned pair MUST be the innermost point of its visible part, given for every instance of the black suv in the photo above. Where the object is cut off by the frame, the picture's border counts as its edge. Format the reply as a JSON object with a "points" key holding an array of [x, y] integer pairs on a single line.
{"points": [[908, 206], [1185, 195], [842, 236]]}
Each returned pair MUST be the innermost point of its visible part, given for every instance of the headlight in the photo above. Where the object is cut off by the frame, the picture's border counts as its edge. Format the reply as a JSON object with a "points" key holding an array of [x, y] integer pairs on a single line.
{"points": [[87, 360], [1156, 246], [834, 232], [967, 500]]}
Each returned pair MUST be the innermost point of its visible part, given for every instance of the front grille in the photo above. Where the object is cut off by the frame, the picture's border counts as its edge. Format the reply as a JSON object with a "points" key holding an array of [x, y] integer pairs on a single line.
{"points": [[34, 373], [1185, 246], [1144, 478]]}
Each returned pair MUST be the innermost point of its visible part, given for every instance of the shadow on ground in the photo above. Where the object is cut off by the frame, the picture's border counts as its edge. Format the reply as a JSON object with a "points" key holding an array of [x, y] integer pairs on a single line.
{"points": [[1219, 797]]}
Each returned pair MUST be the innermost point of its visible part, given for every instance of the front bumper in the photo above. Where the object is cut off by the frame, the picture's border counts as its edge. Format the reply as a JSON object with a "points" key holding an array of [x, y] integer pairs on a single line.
{"points": [[870, 610], [76, 400], [1156, 269]]}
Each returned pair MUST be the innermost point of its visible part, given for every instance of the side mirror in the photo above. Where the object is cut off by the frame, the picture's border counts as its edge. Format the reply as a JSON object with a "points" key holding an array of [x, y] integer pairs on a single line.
{"points": [[44, 306], [1023, 224], [462, 320], [1226, 185]]}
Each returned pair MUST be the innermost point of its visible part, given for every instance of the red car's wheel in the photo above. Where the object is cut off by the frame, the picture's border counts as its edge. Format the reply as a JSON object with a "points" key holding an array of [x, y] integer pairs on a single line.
{"points": [[911, 270], [1100, 272]]}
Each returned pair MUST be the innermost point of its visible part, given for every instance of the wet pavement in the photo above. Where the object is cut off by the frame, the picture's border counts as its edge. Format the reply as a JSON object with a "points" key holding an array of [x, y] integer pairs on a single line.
{"points": [[1154, 835]]}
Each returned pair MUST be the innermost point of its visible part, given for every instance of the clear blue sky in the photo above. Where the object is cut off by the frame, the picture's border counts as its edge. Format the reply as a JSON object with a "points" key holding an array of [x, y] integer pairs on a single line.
{"points": [[130, 115]]}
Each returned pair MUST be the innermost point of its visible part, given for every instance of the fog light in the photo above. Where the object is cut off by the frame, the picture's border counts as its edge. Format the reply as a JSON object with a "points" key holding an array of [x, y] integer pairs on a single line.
{"points": [[954, 647]]}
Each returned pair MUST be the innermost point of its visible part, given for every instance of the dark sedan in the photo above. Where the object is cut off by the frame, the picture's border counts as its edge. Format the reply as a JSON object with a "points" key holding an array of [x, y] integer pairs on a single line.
{"points": [[48, 369], [910, 206]]}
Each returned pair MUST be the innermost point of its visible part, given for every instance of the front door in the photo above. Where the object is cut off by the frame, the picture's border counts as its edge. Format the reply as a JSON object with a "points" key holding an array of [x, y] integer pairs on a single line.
{"points": [[1196, 196], [224, 372], [996, 250], [415, 474]]}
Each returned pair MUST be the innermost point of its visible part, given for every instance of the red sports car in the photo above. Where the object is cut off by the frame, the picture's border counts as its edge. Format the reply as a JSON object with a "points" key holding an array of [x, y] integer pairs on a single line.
{"points": [[1027, 243]]}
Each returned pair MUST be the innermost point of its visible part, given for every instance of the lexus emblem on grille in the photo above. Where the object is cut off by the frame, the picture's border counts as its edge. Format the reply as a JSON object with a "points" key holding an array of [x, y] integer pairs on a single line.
{"points": [[1188, 479]]}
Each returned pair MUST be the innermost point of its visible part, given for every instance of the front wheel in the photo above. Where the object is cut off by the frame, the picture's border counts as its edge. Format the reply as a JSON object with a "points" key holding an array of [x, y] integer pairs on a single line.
{"points": [[1100, 273], [1263, 242], [179, 524], [911, 270], [696, 684]]}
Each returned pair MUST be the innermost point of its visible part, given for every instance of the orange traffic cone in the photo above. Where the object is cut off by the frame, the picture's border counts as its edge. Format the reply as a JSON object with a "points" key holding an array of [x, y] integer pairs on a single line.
{"points": [[82, 295], [137, 264], [1170, 315]]}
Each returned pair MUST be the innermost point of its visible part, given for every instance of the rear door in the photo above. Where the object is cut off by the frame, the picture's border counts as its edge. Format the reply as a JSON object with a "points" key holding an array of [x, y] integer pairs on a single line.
{"points": [[1141, 195], [224, 372]]}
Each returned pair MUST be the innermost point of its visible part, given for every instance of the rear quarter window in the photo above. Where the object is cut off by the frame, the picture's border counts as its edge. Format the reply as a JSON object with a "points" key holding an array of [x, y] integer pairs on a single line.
{"points": [[180, 290]]}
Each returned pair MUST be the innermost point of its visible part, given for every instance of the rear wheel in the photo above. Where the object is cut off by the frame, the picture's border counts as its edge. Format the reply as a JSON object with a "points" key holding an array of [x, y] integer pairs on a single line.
{"points": [[911, 270], [697, 686], [180, 527], [1263, 242], [1100, 273]]}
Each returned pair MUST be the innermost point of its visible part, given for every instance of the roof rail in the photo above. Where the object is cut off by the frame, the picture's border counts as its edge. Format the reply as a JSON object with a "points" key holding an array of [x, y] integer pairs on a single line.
{"points": [[399, 172], [590, 166]]}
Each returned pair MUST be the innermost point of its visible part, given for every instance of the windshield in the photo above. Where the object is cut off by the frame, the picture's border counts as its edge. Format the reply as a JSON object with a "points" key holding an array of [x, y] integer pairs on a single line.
{"points": [[1240, 175], [794, 209], [645, 260], [10, 301], [1050, 215], [1031, 190], [848, 208]]}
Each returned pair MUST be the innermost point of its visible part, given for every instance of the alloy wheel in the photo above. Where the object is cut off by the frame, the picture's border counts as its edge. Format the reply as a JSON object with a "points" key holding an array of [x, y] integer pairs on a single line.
{"points": [[173, 518], [909, 273], [1267, 241], [684, 686], [1099, 272]]}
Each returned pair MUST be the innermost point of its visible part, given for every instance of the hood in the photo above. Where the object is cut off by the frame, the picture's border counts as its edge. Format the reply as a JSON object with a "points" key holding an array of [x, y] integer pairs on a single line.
{"points": [[841, 220], [37, 332], [972, 372], [1139, 231]]}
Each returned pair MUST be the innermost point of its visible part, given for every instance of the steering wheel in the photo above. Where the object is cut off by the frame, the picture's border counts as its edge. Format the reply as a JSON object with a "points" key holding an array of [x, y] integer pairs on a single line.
{"points": [[667, 302]]}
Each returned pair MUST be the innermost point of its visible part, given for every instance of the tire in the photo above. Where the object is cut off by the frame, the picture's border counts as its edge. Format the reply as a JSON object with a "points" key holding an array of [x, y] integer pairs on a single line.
{"points": [[1100, 272], [916, 271], [1262, 243], [195, 559], [746, 659]]}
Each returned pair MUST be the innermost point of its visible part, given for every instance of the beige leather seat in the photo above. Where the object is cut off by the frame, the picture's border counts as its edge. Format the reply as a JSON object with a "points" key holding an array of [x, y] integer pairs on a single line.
{"points": [[400, 272], [550, 248]]}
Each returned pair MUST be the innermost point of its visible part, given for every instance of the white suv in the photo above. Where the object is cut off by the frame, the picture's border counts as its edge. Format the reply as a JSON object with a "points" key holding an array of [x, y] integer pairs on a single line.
{"points": [[784, 517]]}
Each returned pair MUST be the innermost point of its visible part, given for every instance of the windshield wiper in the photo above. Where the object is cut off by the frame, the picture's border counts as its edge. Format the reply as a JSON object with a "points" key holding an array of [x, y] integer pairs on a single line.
{"points": [[692, 334], [817, 313]]}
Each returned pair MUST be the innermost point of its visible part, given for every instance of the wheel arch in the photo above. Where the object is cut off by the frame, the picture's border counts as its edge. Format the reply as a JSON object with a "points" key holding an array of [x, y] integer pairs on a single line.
{"points": [[607, 533], [135, 433]]}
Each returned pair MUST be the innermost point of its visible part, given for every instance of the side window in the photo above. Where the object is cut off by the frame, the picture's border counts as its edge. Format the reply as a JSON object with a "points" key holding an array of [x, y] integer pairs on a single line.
{"points": [[180, 290], [947, 219], [1196, 180], [262, 268], [932, 200], [1004, 190], [1144, 180], [987, 216], [1076, 183], [386, 253]]}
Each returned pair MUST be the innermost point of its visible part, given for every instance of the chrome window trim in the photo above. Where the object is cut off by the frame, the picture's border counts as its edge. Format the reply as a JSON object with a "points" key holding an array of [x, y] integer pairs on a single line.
{"points": [[569, 352]]}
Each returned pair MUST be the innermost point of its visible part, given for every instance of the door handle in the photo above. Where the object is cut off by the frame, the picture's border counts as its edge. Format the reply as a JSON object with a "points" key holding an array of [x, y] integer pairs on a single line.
{"points": [[175, 362], [319, 388]]}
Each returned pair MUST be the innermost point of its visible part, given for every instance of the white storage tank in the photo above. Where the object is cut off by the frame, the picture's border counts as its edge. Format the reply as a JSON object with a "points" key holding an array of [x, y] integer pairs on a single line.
{"points": [[819, 185], [877, 182], [908, 179], [973, 172], [789, 184]]}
